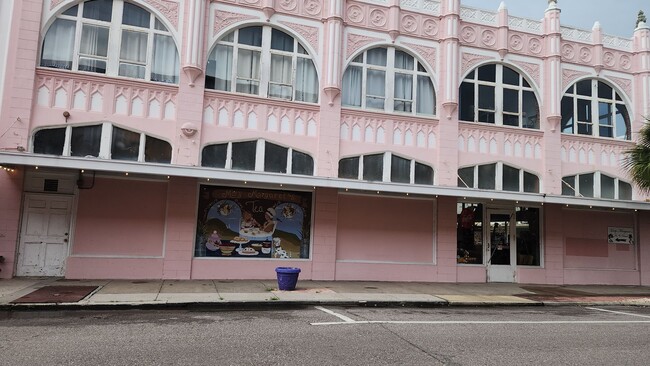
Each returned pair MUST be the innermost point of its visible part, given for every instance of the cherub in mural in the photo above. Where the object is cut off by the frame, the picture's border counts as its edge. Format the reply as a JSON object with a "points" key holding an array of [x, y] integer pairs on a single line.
{"points": [[248, 221]]}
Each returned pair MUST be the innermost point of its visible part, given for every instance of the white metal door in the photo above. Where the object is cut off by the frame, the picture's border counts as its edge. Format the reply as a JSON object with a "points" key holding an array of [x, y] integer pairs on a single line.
{"points": [[44, 235], [501, 246]]}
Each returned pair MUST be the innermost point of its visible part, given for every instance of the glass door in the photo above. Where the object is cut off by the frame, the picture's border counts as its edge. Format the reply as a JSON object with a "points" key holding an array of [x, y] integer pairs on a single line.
{"points": [[501, 246]]}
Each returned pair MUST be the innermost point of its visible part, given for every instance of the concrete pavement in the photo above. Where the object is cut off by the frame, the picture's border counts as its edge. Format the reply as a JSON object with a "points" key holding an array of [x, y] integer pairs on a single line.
{"points": [[264, 293]]}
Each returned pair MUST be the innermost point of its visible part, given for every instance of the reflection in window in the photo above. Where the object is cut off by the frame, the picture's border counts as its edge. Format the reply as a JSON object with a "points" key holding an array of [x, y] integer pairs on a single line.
{"points": [[591, 107], [125, 144], [49, 141], [157, 151], [497, 94], [85, 141], [385, 167], [498, 176], [235, 65], [528, 238], [140, 45], [469, 233], [596, 185]]}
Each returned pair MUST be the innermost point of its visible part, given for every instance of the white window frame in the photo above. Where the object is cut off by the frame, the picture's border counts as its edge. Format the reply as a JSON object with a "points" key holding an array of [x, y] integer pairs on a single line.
{"points": [[388, 165], [597, 186], [498, 176]]}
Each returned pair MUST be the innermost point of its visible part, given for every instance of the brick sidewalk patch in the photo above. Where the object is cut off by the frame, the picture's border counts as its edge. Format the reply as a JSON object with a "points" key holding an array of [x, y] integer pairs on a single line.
{"points": [[56, 294]]}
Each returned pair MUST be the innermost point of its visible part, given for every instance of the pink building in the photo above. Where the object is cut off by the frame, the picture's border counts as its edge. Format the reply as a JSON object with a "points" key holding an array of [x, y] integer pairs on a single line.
{"points": [[412, 140]]}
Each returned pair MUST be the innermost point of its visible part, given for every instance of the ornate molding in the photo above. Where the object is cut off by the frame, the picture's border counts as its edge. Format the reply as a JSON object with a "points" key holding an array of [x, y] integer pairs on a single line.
{"points": [[428, 54], [356, 41], [55, 3], [168, 8], [568, 76], [223, 19], [624, 84], [470, 59], [307, 32], [532, 69]]}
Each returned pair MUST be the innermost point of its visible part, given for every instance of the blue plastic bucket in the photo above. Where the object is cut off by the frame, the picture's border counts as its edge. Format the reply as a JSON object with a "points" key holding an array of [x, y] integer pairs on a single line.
{"points": [[287, 278]]}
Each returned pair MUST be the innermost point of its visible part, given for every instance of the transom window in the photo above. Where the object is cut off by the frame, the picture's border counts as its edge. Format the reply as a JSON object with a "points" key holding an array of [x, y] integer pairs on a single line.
{"points": [[499, 95], [596, 185], [102, 141], [389, 80], [112, 37], [591, 107], [257, 155], [498, 176], [263, 61], [385, 167]]}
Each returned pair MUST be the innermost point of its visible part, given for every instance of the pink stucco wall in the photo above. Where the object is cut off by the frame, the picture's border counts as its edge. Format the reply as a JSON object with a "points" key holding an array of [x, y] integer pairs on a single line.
{"points": [[11, 198]]}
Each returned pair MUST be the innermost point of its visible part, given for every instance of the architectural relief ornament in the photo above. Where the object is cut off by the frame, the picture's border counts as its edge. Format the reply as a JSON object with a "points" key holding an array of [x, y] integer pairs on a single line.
{"points": [[624, 84], [569, 76], [308, 33], [585, 54], [533, 70], [568, 52], [312, 7], [516, 42], [625, 62], [428, 54], [609, 59], [468, 34], [223, 19], [489, 38], [168, 8], [355, 14], [430, 27], [356, 41], [470, 59], [378, 18], [288, 5], [54, 3], [409, 23], [535, 45]]}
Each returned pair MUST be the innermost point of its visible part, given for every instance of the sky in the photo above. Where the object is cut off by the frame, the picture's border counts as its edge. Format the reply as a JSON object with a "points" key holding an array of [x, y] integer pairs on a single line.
{"points": [[616, 17]]}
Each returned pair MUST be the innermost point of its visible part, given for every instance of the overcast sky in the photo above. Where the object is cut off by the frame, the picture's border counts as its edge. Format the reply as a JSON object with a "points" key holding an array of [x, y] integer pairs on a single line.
{"points": [[616, 17]]}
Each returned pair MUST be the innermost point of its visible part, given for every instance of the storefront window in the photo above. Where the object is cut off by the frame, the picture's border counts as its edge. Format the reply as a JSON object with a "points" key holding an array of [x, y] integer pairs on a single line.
{"points": [[469, 228], [397, 169], [528, 244]]}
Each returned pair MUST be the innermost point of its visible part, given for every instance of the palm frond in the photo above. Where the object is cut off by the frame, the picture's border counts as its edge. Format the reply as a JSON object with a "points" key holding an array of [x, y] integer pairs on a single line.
{"points": [[637, 159]]}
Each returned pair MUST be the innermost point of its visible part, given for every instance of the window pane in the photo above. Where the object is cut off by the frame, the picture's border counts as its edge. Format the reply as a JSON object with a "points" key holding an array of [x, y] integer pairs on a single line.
{"points": [[165, 60], [281, 41], [607, 187], [469, 226], [606, 128], [214, 156], [511, 120], [125, 144], [351, 88], [486, 97], [243, 155], [349, 168], [511, 101], [134, 46], [131, 70], [569, 186], [604, 91], [584, 88], [622, 122], [584, 117], [94, 41], [400, 170], [586, 184], [528, 246], [275, 158], [85, 141], [72, 11], [302, 163], [466, 96], [377, 56], [375, 89], [403, 61], [251, 36], [624, 191], [403, 92], [281, 69], [373, 167], [423, 174], [59, 45], [530, 117], [135, 15], [567, 115], [49, 141], [159, 26], [157, 151], [426, 103], [306, 81], [98, 9], [219, 69], [466, 177], [248, 71], [510, 179], [92, 65], [510, 76], [486, 176], [487, 73], [531, 183]]}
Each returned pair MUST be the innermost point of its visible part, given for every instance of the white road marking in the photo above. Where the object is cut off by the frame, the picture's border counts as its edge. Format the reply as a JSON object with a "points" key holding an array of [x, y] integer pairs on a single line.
{"points": [[619, 312], [340, 316], [353, 322]]}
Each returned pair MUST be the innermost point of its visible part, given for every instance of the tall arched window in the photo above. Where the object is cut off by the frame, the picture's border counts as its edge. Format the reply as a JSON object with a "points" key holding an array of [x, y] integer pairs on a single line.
{"points": [[591, 107], [111, 37], [390, 80], [263, 61], [497, 94]]}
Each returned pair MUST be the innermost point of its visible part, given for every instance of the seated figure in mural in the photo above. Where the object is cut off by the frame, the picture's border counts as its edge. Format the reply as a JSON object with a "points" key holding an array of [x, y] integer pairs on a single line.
{"points": [[269, 224], [248, 221]]}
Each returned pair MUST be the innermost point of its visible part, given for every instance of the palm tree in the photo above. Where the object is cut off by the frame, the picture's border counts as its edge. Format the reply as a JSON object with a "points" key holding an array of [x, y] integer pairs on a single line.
{"points": [[637, 159]]}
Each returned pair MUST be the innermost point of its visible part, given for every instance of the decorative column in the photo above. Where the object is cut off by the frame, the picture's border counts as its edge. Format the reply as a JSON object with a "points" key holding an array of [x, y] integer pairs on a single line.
{"points": [[550, 111], [502, 35], [447, 165], [393, 19], [193, 45], [597, 40], [642, 72]]}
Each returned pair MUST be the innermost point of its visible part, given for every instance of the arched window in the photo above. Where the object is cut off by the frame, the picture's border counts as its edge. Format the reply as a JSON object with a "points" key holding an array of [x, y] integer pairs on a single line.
{"points": [[385, 167], [597, 185], [497, 94], [389, 80], [257, 155], [591, 107], [117, 144], [111, 37], [498, 176], [263, 61]]}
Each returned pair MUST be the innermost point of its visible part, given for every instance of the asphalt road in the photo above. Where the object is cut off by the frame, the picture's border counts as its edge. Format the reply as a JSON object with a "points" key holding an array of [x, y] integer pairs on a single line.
{"points": [[330, 336]]}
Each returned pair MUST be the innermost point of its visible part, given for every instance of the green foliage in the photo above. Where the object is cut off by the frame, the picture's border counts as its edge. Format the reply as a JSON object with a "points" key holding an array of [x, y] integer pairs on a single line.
{"points": [[637, 159]]}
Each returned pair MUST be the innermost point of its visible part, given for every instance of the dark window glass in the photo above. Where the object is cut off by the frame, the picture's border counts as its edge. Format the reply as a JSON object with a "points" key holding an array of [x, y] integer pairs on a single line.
{"points": [[567, 115], [486, 97], [607, 187], [622, 122], [400, 170], [466, 177], [583, 88], [135, 15], [586, 184], [486, 176], [98, 9], [510, 179], [487, 73], [606, 127], [528, 246], [470, 76], [466, 95], [373, 167], [469, 228], [157, 150], [302, 163], [511, 120], [569, 186], [349, 168], [214, 156], [510, 76], [281, 41], [511, 100], [49, 141], [85, 141], [275, 158], [125, 144], [243, 155], [624, 191], [530, 116], [584, 110], [423, 174], [72, 11], [531, 183], [604, 91], [251, 36]]}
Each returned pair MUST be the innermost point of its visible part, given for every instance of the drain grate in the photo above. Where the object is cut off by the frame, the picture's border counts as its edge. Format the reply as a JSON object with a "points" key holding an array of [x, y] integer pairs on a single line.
{"points": [[56, 294]]}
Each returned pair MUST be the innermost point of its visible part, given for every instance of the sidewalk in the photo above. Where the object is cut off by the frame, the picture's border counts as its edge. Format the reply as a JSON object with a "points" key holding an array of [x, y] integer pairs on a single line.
{"points": [[103, 294]]}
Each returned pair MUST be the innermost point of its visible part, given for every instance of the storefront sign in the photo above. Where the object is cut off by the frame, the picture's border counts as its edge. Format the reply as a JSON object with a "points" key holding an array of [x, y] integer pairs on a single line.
{"points": [[620, 235], [253, 223]]}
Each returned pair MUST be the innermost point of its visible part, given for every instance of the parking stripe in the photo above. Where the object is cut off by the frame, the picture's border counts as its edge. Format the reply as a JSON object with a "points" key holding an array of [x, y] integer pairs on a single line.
{"points": [[444, 322], [619, 312], [340, 316]]}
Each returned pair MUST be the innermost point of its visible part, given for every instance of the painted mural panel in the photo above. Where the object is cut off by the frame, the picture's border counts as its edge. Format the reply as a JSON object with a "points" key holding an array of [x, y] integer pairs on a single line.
{"points": [[253, 223]]}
